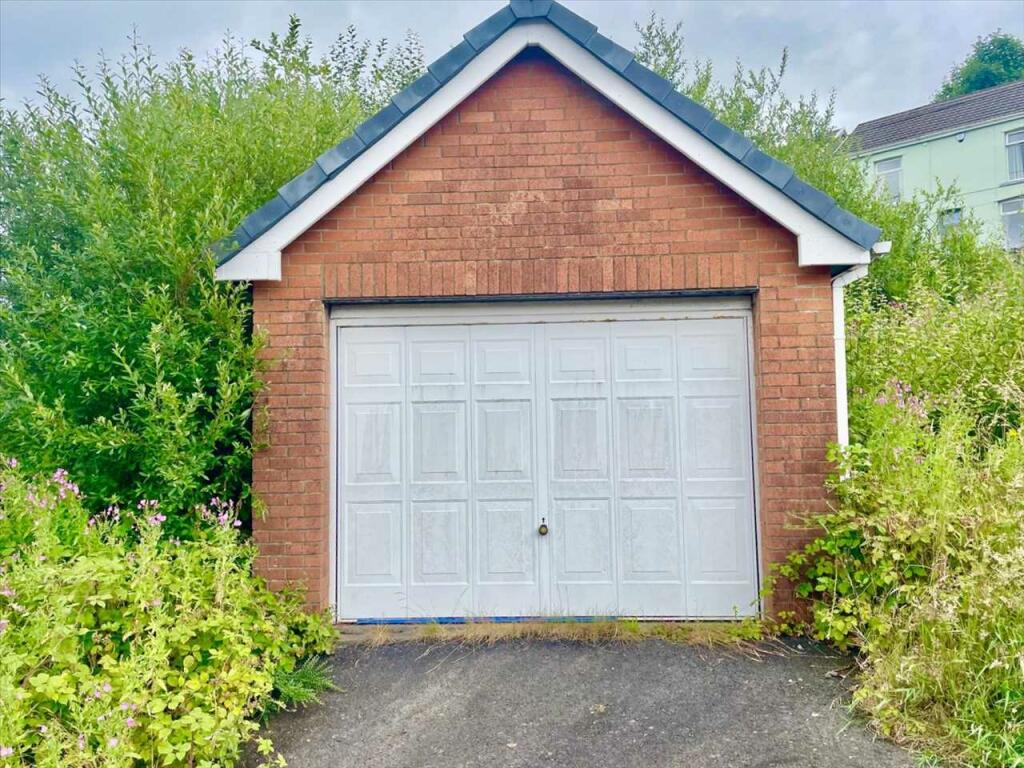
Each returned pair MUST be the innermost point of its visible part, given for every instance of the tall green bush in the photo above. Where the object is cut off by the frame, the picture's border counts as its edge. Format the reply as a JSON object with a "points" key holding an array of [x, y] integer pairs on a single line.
{"points": [[120, 356]]}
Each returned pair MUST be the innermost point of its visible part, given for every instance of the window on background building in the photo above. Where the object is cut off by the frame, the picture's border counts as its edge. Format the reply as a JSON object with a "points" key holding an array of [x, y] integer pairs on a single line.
{"points": [[1013, 222], [949, 219], [1015, 155], [890, 177]]}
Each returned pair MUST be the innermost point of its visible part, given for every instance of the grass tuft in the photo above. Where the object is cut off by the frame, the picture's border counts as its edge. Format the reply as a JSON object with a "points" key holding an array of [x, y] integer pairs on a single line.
{"points": [[303, 684]]}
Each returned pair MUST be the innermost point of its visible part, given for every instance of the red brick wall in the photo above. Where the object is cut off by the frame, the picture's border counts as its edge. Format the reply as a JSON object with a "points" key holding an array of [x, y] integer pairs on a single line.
{"points": [[536, 184]]}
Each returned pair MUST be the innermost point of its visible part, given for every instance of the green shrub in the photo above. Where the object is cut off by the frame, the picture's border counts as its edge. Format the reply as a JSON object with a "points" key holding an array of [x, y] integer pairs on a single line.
{"points": [[120, 646], [913, 503], [121, 359], [920, 564]]}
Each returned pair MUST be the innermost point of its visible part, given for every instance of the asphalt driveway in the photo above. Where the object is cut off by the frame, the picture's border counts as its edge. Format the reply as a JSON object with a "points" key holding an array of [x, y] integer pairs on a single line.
{"points": [[415, 705]]}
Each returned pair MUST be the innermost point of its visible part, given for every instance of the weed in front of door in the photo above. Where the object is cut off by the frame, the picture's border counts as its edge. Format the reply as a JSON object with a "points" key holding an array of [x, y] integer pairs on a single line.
{"points": [[622, 631]]}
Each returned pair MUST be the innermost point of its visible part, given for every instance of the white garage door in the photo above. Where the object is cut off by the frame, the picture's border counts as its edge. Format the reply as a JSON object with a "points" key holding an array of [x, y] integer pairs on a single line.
{"points": [[625, 431]]}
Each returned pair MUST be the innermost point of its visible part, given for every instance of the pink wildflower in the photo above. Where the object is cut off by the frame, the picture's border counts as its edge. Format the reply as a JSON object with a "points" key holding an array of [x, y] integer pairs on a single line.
{"points": [[6, 751]]}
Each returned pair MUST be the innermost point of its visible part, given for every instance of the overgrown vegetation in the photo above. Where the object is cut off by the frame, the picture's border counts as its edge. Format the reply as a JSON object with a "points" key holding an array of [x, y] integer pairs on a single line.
{"points": [[134, 632], [120, 357], [120, 646], [920, 561]]}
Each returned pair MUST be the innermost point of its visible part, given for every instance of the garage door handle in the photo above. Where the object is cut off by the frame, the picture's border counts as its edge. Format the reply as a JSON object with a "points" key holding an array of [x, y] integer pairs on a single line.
{"points": [[543, 529]]}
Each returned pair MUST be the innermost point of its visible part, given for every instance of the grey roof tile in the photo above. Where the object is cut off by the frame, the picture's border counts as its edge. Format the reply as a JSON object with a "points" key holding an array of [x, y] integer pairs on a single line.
{"points": [[810, 198], [652, 84], [617, 58], [610, 52], [858, 230], [379, 124], [574, 25], [725, 137], [980, 106], [340, 155], [299, 188], [264, 217], [768, 168], [530, 9], [416, 92], [451, 63], [490, 29], [687, 110], [523, 9]]}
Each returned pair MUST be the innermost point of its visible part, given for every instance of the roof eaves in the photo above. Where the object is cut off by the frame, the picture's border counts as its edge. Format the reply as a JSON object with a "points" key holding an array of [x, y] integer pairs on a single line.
{"points": [[331, 162]]}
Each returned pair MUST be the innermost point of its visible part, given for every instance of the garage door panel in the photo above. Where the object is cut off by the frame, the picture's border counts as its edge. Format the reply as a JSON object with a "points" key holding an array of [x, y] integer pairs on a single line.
{"points": [[584, 581], [505, 542], [579, 444], [713, 358], [578, 357], [647, 439], [373, 445], [439, 545], [720, 556], [582, 535], [374, 543], [650, 540], [644, 352], [504, 446], [715, 535], [437, 363], [438, 441], [371, 362], [715, 432], [502, 355]]}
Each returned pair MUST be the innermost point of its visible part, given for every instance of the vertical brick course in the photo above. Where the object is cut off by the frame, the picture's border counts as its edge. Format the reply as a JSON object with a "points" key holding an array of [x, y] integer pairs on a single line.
{"points": [[536, 184]]}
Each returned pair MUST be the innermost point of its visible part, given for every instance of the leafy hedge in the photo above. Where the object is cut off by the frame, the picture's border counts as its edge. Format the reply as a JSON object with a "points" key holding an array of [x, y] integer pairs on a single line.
{"points": [[122, 647], [121, 359]]}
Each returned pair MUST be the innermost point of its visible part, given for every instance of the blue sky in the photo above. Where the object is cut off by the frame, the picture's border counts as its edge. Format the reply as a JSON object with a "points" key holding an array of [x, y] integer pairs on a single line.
{"points": [[879, 56]]}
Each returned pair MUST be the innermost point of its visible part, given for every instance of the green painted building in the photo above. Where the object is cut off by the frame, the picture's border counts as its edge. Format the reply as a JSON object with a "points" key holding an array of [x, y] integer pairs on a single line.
{"points": [[975, 142]]}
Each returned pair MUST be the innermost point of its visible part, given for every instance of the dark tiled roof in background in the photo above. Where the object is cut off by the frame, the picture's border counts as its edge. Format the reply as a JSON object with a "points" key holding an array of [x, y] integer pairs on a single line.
{"points": [[617, 58], [961, 112]]}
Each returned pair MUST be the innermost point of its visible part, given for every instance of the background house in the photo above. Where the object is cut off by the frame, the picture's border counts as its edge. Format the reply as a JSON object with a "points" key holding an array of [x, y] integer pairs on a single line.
{"points": [[975, 142]]}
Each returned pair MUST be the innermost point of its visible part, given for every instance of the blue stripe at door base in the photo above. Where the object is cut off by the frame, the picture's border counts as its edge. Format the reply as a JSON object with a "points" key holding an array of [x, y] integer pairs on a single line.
{"points": [[490, 620]]}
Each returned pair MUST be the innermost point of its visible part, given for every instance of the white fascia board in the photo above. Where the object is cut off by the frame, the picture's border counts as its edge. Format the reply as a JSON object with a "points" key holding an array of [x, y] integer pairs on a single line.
{"points": [[817, 243], [250, 264]]}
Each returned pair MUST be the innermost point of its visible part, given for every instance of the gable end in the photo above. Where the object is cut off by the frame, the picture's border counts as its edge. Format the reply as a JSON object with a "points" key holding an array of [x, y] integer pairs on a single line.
{"points": [[827, 234]]}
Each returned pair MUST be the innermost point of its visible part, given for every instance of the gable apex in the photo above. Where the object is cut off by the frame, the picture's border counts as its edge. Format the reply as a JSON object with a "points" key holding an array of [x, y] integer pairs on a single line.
{"points": [[826, 233]]}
